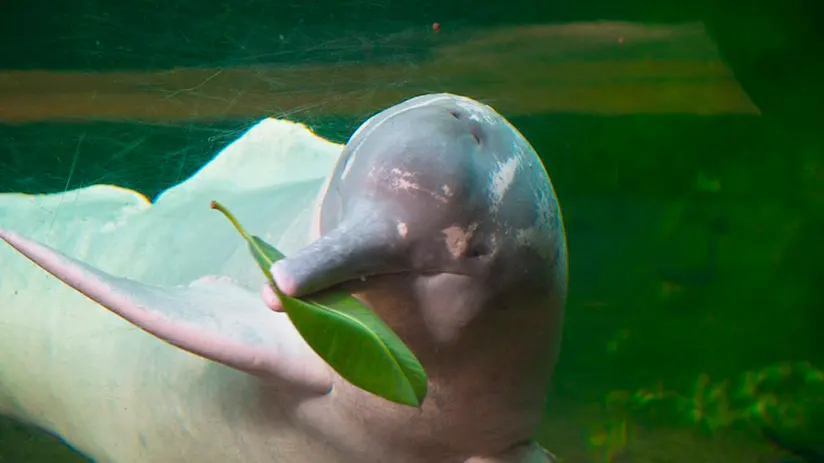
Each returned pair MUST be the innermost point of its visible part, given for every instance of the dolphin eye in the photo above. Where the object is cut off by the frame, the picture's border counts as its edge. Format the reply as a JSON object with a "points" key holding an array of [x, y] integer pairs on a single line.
{"points": [[478, 248]]}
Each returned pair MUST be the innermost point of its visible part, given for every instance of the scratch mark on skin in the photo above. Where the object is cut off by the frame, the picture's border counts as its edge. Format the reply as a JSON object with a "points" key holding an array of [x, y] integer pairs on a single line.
{"points": [[457, 239], [400, 180], [402, 229], [403, 180], [502, 179]]}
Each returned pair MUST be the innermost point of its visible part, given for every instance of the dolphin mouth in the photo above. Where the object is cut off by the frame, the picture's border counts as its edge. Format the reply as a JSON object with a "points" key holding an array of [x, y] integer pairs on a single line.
{"points": [[364, 278], [353, 283]]}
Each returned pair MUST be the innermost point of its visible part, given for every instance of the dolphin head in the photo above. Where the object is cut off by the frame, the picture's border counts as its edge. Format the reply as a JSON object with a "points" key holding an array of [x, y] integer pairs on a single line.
{"points": [[441, 199], [440, 216]]}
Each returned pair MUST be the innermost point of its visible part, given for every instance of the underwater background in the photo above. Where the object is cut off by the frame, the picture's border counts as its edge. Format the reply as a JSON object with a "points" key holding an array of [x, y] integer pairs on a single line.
{"points": [[684, 142]]}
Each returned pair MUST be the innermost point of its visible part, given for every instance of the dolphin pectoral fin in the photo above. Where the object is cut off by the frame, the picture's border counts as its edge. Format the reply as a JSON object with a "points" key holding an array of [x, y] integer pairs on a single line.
{"points": [[212, 318]]}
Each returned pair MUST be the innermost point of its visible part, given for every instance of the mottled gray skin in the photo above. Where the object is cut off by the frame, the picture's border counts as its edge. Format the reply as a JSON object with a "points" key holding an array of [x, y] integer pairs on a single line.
{"points": [[438, 215]]}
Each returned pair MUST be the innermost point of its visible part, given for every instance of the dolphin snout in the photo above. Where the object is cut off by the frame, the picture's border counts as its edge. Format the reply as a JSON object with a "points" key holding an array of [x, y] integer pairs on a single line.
{"points": [[349, 252]]}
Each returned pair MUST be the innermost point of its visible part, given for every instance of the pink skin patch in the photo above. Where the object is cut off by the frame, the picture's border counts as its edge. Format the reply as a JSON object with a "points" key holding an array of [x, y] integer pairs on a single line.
{"points": [[286, 284]]}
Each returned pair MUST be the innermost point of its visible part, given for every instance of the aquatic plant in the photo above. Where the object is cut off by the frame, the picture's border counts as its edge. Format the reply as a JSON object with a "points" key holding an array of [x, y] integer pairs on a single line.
{"points": [[785, 396]]}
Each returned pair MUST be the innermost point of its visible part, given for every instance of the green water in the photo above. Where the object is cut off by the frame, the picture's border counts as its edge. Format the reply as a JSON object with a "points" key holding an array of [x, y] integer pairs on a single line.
{"points": [[695, 313]]}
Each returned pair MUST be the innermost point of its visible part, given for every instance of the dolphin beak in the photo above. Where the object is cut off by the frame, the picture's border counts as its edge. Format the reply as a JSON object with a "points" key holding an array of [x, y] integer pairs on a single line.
{"points": [[350, 251]]}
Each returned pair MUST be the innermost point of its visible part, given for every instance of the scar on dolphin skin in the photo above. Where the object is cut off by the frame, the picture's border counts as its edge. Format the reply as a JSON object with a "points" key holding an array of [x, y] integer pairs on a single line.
{"points": [[458, 239]]}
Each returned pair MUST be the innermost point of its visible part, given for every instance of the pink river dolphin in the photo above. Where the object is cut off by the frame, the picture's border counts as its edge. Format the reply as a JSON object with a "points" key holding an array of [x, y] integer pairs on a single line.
{"points": [[141, 331]]}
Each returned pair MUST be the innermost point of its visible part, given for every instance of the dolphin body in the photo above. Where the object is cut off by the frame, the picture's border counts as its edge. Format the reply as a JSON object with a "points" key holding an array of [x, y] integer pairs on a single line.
{"points": [[153, 342]]}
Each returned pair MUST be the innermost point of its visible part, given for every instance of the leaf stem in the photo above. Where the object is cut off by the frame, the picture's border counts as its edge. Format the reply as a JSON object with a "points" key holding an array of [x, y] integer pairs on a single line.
{"points": [[251, 242], [219, 207]]}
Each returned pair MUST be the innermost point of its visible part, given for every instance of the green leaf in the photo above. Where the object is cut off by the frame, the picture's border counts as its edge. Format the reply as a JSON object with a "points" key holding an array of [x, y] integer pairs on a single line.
{"points": [[351, 338]]}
